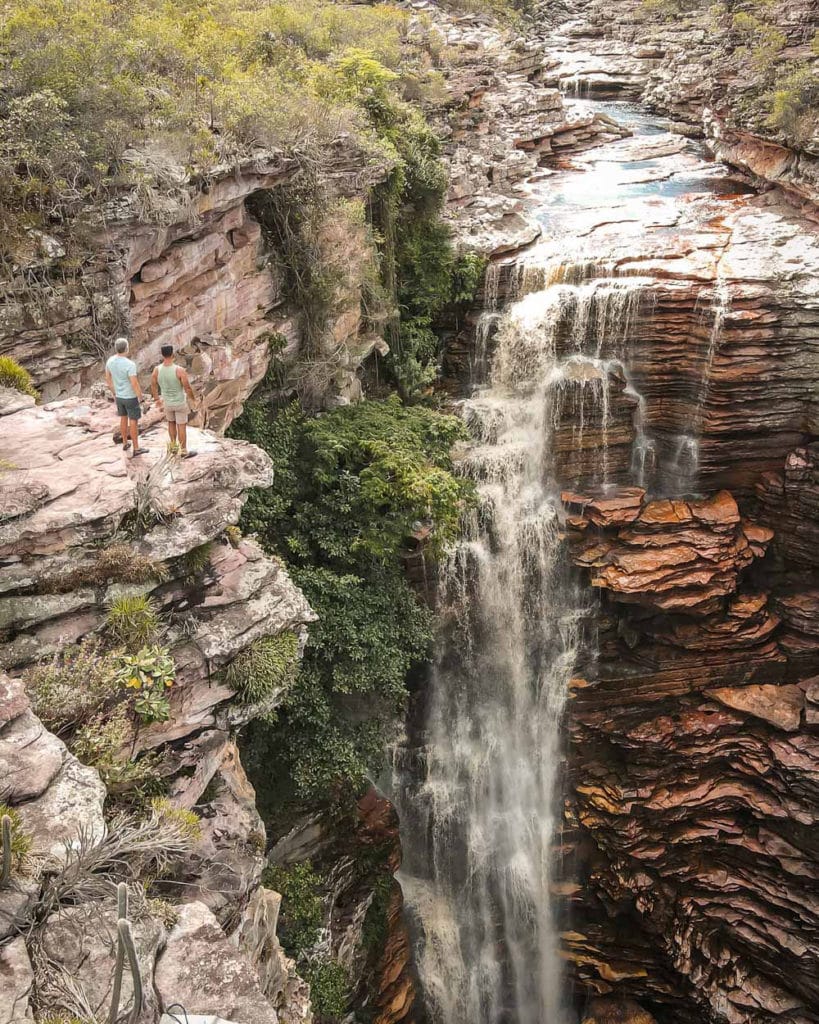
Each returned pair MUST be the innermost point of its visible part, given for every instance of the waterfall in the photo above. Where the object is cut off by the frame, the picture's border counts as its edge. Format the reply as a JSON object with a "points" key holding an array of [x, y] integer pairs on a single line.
{"points": [[480, 818], [681, 471]]}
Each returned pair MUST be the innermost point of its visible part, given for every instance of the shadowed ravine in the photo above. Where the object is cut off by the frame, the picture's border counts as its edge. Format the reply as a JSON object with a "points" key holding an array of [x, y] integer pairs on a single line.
{"points": [[479, 790]]}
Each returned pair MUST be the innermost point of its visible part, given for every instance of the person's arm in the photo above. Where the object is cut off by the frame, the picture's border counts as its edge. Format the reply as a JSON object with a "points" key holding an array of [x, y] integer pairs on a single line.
{"points": [[134, 379], [155, 386], [137, 389], [186, 384], [109, 380]]}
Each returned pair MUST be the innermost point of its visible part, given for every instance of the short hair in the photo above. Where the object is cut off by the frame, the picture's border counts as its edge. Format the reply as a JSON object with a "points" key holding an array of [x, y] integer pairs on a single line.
{"points": [[166, 350], [121, 345]]}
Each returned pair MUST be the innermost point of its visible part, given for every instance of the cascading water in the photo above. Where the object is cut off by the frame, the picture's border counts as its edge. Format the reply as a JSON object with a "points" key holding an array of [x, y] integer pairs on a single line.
{"points": [[478, 831]]}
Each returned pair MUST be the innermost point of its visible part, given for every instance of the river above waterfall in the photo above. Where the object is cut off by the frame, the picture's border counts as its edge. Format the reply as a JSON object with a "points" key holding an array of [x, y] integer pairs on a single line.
{"points": [[558, 402]]}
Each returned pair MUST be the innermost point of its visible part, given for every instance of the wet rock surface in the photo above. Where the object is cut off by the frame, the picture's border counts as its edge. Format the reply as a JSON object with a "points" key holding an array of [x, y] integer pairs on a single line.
{"points": [[688, 850]]}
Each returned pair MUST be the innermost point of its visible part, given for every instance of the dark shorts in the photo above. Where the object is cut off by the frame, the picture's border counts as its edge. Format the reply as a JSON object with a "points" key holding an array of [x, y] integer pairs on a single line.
{"points": [[129, 407]]}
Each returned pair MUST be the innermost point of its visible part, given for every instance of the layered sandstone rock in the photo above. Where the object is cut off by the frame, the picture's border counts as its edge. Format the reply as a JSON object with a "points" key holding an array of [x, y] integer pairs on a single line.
{"points": [[71, 498], [693, 766], [190, 268]]}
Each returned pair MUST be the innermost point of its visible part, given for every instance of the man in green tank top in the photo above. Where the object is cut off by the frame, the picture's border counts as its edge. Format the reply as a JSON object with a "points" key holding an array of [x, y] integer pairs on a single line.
{"points": [[169, 386]]}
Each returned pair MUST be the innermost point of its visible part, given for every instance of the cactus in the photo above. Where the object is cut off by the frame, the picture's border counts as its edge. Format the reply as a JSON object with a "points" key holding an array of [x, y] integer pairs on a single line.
{"points": [[126, 938], [125, 947], [5, 871], [122, 913], [122, 901]]}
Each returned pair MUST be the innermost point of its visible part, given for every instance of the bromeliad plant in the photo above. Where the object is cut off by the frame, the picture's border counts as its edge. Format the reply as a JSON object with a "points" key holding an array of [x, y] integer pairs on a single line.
{"points": [[150, 671]]}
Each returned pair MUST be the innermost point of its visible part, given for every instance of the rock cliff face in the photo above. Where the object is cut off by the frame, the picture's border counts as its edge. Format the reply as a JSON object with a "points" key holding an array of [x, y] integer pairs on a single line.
{"points": [[693, 65], [688, 852], [193, 271], [69, 500]]}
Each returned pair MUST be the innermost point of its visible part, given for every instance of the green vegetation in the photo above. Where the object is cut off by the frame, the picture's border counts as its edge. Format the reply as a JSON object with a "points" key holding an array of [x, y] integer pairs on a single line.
{"points": [[70, 687], [329, 988], [762, 42], [133, 620], [265, 667], [20, 839], [185, 823], [351, 486], [14, 376], [374, 930], [102, 742], [302, 911], [150, 672], [196, 561], [793, 101]]}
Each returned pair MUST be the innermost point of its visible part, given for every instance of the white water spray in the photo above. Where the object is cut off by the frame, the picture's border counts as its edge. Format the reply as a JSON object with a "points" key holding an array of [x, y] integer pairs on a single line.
{"points": [[478, 832]]}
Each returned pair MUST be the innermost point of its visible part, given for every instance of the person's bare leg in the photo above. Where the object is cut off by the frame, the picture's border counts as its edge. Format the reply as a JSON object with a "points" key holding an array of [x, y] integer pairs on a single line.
{"points": [[172, 431], [123, 430], [183, 437], [134, 425]]}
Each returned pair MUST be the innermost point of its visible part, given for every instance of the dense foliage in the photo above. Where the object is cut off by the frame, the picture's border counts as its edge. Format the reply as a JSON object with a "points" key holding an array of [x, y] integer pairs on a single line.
{"points": [[302, 909], [351, 485]]}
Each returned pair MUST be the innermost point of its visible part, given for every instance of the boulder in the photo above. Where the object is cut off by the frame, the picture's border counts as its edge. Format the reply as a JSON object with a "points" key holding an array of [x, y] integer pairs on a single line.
{"points": [[203, 971], [30, 757], [81, 943], [67, 813], [16, 983]]}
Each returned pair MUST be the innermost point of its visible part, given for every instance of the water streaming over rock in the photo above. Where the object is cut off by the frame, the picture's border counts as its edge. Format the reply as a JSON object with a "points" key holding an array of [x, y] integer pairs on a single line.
{"points": [[478, 830]]}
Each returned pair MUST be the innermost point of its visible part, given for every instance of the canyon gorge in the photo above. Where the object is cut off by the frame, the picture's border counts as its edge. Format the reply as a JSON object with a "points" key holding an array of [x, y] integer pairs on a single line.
{"points": [[595, 797]]}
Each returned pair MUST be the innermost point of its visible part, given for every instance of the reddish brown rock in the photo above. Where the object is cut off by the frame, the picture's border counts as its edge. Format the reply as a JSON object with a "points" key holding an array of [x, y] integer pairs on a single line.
{"points": [[602, 510]]}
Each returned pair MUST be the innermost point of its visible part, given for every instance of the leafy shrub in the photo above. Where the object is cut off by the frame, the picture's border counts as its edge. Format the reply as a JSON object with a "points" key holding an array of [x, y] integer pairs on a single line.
{"points": [[302, 909], [102, 744], [150, 671], [83, 81], [793, 103], [329, 988], [14, 376], [133, 620], [350, 485], [20, 839], [71, 686], [265, 667], [353, 482], [763, 41]]}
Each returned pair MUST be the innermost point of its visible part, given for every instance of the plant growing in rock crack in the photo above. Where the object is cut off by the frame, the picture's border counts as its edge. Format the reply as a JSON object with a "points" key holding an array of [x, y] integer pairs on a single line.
{"points": [[265, 667], [150, 509], [329, 988], [102, 742], [117, 563], [16, 377], [196, 561], [132, 847], [302, 910], [15, 842], [188, 822], [69, 687], [150, 672], [133, 620]]}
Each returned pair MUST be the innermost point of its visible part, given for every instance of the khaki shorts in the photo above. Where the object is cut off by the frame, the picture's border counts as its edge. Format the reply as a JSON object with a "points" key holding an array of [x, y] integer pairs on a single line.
{"points": [[176, 413]]}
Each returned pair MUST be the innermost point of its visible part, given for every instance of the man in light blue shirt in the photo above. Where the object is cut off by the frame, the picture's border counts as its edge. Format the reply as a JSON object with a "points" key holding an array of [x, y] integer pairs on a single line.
{"points": [[121, 377]]}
